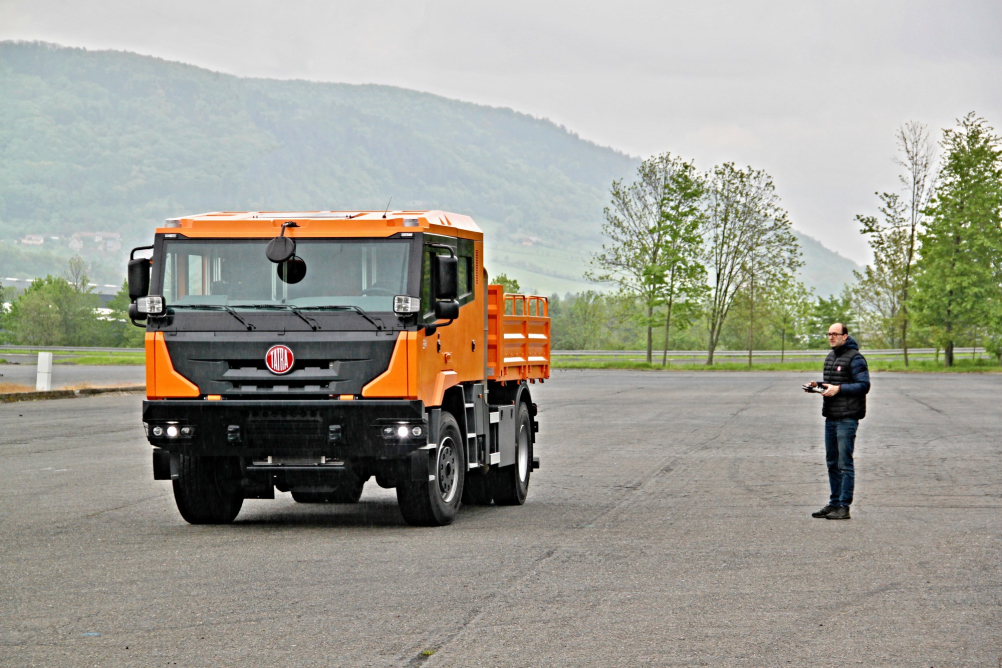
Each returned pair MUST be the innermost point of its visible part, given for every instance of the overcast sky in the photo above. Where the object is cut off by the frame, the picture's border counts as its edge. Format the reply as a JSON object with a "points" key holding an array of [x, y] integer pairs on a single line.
{"points": [[810, 91]]}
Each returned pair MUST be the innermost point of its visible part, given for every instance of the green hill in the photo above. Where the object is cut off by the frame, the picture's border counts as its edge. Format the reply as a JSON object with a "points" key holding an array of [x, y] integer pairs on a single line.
{"points": [[824, 270], [105, 142]]}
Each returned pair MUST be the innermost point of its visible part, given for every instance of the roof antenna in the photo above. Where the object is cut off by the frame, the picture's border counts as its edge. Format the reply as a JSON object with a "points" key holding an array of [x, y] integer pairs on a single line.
{"points": [[387, 208]]}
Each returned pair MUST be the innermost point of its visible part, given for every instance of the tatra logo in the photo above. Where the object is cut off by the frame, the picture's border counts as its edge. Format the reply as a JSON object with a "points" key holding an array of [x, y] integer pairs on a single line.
{"points": [[279, 359], [838, 368]]}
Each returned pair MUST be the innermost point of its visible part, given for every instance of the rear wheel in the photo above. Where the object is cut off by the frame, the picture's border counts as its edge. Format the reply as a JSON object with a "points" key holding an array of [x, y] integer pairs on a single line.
{"points": [[207, 489], [510, 483], [435, 502]]}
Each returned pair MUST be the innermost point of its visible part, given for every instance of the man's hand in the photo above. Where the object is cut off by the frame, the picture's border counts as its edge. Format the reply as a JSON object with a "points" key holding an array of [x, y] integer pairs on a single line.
{"points": [[830, 391]]}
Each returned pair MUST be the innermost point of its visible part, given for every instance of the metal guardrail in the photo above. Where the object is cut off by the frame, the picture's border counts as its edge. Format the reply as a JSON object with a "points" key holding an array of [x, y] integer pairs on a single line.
{"points": [[757, 354], [67, 349], [592, 353]]}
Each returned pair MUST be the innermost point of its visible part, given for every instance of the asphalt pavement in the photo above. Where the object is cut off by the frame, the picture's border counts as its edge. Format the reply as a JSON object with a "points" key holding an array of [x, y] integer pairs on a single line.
{"points": [[669, 525], [74, 375]]}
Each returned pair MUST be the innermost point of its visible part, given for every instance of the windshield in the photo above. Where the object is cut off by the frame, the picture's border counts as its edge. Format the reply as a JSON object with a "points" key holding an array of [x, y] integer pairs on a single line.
{"points": [[364, 274]]}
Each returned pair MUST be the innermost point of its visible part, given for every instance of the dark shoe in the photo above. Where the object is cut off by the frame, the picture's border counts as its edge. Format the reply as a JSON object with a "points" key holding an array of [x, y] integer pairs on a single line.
{"points": [[824, 511], [840, 513]]}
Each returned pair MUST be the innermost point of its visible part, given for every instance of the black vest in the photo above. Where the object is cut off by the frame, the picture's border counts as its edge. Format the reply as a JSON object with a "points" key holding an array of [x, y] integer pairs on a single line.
{"points": [[838, 372]]}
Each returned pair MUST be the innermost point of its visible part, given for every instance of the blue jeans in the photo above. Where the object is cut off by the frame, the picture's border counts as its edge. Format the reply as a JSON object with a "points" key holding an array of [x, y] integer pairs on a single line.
{"points": [[840, 440]]}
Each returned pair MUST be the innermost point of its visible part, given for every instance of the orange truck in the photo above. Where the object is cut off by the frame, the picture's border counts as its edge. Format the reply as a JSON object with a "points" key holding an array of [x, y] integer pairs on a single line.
{"points": [[310, 351]]}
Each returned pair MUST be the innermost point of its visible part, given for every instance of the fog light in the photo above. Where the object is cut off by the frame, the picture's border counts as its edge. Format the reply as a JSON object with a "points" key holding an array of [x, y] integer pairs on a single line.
{"points": [[402, 431], [172, 431], [388, 431], [158, 431], [416, 431], [186, 431]]}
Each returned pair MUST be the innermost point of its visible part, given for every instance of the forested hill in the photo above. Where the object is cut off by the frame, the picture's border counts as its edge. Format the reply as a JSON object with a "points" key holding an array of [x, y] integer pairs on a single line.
{"points": [[101, 141]]}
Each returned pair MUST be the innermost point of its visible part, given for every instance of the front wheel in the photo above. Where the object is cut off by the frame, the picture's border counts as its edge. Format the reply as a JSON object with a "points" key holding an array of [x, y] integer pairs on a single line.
{"points": [[207, 489], [511, 483], [435, 502]]}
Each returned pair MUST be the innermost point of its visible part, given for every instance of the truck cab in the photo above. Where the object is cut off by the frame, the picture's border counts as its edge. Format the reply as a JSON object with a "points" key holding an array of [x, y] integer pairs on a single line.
{"points": [[310, 351]]}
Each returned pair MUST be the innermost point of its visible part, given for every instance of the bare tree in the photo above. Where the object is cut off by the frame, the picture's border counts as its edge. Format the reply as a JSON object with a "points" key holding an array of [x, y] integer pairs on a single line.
{"points": [[76, 273], [748, 240], [918, 159], [881, 287]]}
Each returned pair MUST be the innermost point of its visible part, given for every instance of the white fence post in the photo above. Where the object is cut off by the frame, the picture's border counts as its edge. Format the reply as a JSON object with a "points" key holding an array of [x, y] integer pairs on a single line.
{"points": [[43, 382]]}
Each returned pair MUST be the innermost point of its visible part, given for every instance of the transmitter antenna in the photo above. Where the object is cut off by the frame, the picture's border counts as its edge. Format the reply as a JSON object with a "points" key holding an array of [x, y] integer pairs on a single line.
{"points": [[387, 208]]}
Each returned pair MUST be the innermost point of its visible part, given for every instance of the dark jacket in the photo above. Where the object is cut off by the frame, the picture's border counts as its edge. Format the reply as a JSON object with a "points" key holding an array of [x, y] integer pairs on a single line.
{"points": [[846, 367]]}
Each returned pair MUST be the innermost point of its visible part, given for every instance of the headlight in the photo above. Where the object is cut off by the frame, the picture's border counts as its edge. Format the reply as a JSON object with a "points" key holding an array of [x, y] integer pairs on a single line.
{"points": [[402, 431], [153, 305], [405, 304], [172, 430]]}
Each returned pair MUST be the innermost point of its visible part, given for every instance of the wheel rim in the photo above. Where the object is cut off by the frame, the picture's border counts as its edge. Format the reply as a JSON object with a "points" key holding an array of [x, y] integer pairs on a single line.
{"points": [[447, 466], [523, 453]]}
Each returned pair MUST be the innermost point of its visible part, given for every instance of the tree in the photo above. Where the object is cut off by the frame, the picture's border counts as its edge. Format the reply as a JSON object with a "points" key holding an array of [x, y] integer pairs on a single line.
{"points": [[679, 275], [883, 286], [118, 329], [639, 224], [582, 321], [510, 284], [52, 312], [826, 312], [790, 306], [957, 287], [748, 240], [919, 179], [76, 273]]}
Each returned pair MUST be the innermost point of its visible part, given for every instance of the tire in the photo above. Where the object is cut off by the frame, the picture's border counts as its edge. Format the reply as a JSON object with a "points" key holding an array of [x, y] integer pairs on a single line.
{"points": [[348, 490], [436, 502], [477, 489], [207, 489], [510, 483]]}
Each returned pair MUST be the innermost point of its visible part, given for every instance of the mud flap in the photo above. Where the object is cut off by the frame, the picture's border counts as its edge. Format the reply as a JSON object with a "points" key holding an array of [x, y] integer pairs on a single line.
{"points": [[161, 464], [507, 434], [422, 460]]}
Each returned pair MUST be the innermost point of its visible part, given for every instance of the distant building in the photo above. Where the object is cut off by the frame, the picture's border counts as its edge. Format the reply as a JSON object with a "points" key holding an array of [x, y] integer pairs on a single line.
{"points": [[33, 240], [101, 241]]}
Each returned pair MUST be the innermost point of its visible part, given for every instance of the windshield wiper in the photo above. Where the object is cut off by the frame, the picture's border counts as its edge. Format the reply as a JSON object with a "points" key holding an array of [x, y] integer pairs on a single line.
{"points": [[289, 307], [345, 307], [218, 307]]}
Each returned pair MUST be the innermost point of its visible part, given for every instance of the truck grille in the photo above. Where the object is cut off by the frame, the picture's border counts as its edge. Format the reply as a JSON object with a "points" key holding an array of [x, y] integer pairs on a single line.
{"points": [[297, 426]]}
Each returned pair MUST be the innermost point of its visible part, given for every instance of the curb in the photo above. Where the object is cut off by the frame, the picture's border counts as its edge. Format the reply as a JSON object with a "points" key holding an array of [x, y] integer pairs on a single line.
{"points": [[67, 394]]}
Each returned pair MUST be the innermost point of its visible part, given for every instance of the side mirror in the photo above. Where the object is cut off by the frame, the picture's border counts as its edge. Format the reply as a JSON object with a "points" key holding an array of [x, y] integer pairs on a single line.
{"points": [[282, 248], [139, 278], [446, 277], [447, 309]]}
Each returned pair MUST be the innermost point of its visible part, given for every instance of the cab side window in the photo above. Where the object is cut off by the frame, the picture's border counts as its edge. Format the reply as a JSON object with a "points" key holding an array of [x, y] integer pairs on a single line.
{"points": [[464, 253]]}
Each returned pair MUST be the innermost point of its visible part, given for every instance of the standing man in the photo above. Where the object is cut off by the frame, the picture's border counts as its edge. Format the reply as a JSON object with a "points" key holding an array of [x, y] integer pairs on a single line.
{"points": [[846, 383]]}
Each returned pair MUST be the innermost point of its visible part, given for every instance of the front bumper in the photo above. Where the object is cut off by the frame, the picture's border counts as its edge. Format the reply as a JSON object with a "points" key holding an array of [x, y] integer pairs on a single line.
{"points": [[337, 429]]}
